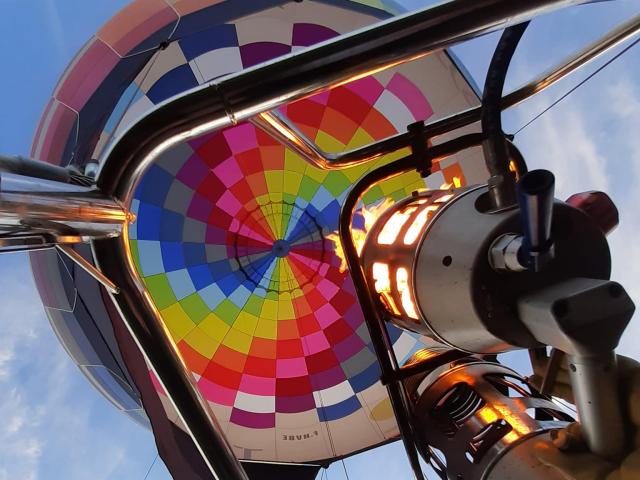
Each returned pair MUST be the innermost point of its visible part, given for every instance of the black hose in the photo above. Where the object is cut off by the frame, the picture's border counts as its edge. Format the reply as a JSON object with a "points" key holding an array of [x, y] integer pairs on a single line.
{"points": [[501, 180]]}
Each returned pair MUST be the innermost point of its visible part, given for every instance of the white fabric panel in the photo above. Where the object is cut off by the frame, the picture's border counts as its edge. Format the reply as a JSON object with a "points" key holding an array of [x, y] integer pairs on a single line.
{"points": [[264, 29], [217, 63], [253, 443], [333, 395], [164, 61], [395, 111], [140, 107], [255, 403], [354, 429]]}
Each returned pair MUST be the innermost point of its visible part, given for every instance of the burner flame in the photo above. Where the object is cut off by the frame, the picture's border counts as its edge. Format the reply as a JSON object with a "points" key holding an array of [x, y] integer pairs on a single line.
{"points": [[370, 215], [455, 183]]}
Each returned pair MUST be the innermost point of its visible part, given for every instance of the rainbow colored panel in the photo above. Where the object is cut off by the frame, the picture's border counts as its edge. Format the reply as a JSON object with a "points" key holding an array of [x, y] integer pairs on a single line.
{"points": [[231, 243]]}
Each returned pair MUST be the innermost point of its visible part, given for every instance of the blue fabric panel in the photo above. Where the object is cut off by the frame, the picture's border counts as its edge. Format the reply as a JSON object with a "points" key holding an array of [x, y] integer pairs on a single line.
{"points": [[154, 186], [394, 332], [172, 256], [240, 296], [358, 220], [149, 222], [339, 410], [173, 82], [129, 97], [220, 269], [171, 224], [366, 378], [330, 215], [181, 283], [322, 198], [219, 36], [151, 261], [228, 284], [266, 277], [299, 228], [200, 276], [257, 269], [212, 296], [194, 254]]}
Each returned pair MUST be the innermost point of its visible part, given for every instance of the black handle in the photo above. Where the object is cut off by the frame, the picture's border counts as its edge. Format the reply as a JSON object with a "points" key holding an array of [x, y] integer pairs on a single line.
{"points": [[535, 198]]}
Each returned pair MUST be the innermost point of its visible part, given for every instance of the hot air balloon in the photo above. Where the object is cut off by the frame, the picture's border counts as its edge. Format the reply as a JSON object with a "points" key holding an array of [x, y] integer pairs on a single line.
{"points": [[231, 231]]}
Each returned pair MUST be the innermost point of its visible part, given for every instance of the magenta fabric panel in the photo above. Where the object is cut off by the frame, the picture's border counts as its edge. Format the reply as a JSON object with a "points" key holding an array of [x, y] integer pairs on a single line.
{"points": [[62, 120], [88, 73]]}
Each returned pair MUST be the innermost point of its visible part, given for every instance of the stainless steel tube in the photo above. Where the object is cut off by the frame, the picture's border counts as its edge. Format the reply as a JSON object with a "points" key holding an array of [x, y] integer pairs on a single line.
{"points": [[85, 213], [280, 128], [594, 381], [34, 168], [605, 43], [283, 130], [141, 318], [89, 268]]}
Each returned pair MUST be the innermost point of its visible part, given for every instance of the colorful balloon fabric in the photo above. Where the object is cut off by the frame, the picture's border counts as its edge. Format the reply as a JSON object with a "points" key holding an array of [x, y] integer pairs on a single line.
{"points": [[231, 243], [231, 232]]}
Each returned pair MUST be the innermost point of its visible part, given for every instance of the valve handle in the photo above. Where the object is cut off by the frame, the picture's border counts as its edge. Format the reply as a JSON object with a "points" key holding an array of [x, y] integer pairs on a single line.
{"points": [[535, 197]]}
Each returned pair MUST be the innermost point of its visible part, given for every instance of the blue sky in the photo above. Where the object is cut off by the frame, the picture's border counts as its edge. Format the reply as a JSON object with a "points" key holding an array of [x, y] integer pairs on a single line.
{"points": [[55, 425]]}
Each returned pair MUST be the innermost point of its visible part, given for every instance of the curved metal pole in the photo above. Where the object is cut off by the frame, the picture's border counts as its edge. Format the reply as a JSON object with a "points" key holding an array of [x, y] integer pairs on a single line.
{"points": [[592, 51], [390, 369], [283, 130], [241, 96], [141, 318], [375, 324]]}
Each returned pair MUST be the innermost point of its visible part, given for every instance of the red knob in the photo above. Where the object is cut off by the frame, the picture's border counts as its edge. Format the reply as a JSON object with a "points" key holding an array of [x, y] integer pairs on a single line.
{"points": [[598, 206]]}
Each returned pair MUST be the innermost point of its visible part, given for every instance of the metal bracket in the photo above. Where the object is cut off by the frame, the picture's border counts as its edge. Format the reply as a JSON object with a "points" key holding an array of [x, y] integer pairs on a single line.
{"points": [[420, 147]]}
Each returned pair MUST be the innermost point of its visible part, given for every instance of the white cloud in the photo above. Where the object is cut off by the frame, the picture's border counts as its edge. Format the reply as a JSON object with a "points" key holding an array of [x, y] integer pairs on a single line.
{"points": [[6, 355], [57, 30], [22, 323], [55, 424], [590, 143]]}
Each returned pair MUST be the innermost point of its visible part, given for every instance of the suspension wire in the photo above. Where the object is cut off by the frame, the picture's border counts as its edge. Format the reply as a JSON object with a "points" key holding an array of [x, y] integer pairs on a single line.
{"points": [[151, 467], [148, 67], [582, 82], [345, 469]]}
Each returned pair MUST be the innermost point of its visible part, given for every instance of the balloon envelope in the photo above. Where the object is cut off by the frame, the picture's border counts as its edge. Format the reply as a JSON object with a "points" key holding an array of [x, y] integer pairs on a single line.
{"points": [[230, 239]]}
